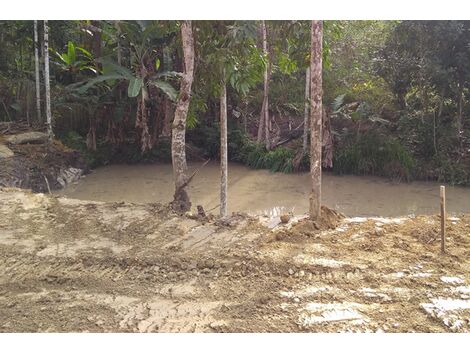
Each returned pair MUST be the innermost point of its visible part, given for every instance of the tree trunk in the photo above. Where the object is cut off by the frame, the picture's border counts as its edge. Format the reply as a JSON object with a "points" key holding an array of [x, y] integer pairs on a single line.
{"points": [[181, 200], [36, 69], [306, 111], [266, 87], [459, 118], [264, 116], [223, 150], [261, 125], [316, 118], [119, 50], [168, 117], [47, 82]]}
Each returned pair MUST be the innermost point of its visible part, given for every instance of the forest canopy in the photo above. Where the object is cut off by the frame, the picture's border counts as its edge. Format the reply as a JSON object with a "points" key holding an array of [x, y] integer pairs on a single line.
{"points": [[395, 92]]}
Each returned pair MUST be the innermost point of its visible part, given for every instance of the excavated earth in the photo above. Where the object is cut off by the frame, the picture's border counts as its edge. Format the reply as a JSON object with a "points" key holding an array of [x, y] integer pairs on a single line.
{"points": [[79, 266]]}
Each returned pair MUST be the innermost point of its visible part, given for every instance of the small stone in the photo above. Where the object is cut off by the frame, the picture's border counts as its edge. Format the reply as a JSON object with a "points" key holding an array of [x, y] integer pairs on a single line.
{"points": [[296, 299], [285, 218], [291, 271], [210, 263], [379, 231], [301, 273], [216, 325]]}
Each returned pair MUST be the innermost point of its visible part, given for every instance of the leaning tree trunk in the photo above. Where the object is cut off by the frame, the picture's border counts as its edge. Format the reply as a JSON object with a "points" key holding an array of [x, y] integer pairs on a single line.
{"points": [[316, 118], [47, 82], [306, 111], [36, 69], [223, 150], [181, 200]]}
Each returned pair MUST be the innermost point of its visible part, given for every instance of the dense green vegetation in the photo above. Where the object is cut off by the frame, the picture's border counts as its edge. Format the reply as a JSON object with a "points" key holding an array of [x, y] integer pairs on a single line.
{"points": [[396, 93]]}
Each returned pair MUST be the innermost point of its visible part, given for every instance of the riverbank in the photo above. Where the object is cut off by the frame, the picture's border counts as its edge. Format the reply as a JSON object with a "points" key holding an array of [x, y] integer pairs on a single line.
{"points": [[28, 160], [70, 265]]}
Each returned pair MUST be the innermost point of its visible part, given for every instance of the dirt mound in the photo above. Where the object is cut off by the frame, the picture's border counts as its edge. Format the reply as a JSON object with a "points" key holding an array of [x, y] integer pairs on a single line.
{"points": [[37, 165], [330, 219]]}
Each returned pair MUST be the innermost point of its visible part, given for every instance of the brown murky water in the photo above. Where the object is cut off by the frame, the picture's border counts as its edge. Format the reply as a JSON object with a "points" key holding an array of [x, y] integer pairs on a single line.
{"points": [[260, 191]]}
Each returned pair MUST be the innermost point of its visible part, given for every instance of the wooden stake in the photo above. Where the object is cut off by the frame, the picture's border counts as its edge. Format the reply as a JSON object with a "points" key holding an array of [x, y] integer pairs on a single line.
{"points": [[443, 218]]}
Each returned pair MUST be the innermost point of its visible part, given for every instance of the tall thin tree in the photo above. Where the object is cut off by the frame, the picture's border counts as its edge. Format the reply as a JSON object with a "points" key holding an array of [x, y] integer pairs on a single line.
{"points": [[36, 69], [223, 148], [267, 75], [181, 200], [47, 82], [306, 111], [264, 116], [316, 93]]}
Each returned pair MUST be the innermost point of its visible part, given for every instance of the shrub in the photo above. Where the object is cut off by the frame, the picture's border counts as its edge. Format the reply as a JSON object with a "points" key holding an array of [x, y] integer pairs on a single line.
{"points": [[372, 154]]}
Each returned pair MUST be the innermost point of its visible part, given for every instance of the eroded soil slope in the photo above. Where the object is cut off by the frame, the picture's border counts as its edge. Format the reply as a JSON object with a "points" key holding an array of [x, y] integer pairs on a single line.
{"points": [[69, 265]]}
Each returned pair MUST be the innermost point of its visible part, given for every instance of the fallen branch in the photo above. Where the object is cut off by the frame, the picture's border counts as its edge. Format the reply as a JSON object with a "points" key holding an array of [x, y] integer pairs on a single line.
{"points": [[218, 205], [47, 184], [191, 177]]}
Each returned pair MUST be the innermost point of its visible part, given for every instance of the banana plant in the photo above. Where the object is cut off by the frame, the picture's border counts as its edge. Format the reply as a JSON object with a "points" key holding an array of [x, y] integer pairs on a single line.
{"points": [[138, 83], [74, 61]]}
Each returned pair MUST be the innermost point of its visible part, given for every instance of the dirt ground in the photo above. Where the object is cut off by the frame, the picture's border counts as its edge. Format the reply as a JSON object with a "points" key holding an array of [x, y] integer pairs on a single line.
{"points": [[75, 266]]}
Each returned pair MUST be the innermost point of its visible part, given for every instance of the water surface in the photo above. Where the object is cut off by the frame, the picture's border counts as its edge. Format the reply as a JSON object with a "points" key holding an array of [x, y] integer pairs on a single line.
{"points": [[259, 191]]}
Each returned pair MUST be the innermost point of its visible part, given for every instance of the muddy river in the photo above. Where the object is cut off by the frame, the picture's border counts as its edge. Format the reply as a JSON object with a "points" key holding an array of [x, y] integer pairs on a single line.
{"points": [[260, 191]]}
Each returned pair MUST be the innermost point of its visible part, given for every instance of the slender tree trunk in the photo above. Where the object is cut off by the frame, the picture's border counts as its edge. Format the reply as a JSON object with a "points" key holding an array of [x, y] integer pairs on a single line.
{"points": [[47, 82], [306, 111], [261, 125], [36, 69], [459, 118], [223, 150], [266, 87], [181, 200], [168, 117], [119, 50], [316, 93], [264, 116]]}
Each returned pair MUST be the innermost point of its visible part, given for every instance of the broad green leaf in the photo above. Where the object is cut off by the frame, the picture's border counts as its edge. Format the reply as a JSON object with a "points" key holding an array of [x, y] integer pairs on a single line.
{"points": [[167, 74], [166, 88], [135, 85], [338, 102], [111, 67], [84, 51], [82, 88], [71, 53]]}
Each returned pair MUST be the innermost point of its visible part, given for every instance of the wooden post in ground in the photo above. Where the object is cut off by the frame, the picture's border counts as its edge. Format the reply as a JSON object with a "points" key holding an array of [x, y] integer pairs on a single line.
{"points": [[443, 218]]}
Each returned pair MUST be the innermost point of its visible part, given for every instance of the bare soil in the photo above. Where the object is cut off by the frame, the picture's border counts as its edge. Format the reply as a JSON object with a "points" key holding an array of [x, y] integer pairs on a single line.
{"points": [[74, 266]]}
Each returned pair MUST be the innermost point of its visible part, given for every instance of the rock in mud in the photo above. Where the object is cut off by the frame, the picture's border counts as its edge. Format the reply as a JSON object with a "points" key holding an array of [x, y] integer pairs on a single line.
{"points": [[5, 152], [69, 175], [285, 218]]}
